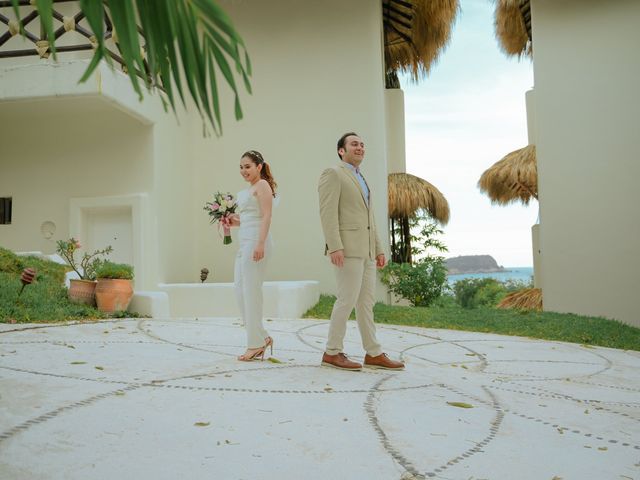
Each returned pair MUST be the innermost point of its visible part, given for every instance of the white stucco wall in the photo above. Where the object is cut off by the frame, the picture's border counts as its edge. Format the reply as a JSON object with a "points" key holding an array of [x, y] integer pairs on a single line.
{"points": [[587, 105], [396, 150], [317, 73], [58, 149]]}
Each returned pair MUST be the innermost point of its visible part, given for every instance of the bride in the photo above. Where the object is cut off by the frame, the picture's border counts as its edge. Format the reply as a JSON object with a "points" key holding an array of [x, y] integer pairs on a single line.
{"points": [[255, 205]]}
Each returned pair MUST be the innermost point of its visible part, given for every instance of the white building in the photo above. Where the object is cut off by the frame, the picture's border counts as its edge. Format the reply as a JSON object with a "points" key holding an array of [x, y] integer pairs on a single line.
{"points": [[583, 118], [91, 161]]}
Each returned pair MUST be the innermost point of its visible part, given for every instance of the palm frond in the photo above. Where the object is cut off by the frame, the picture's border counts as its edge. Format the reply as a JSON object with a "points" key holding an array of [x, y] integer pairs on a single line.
{"points": [[174, 46]]}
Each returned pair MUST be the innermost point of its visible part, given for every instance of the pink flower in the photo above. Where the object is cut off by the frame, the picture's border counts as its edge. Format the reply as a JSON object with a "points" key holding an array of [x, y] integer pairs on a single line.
{"points": [[215, 206]]}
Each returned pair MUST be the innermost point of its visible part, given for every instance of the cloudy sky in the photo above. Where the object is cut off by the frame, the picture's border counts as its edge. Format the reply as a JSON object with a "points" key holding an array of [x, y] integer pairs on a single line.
{"points": [[465, 116]]}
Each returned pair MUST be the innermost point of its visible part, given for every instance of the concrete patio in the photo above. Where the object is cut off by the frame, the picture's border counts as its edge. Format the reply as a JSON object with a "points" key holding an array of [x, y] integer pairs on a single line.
{"points": [[166, 399]]}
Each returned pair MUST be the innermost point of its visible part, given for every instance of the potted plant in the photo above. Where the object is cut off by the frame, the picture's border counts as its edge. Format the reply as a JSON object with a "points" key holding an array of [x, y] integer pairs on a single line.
{"points": [[115, 287], [82, 290]]}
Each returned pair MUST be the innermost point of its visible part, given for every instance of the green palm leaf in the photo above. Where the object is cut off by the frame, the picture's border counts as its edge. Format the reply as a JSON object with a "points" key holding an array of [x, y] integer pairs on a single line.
{"points": [[165, 45]]}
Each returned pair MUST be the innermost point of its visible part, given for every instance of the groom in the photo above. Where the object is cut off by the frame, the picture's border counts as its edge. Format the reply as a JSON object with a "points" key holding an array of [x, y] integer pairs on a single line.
{"points": [[353, 245]]}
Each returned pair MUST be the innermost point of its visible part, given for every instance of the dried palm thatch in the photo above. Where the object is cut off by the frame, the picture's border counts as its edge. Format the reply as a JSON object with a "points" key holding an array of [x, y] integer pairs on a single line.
{"points": [[408, 194], [527, 299], [513, 178], [415, 32], [513, 26]]}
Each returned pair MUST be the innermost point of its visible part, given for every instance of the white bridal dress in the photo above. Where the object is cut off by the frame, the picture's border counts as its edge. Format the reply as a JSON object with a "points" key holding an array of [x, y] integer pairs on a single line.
{"points": [[249, 274]]}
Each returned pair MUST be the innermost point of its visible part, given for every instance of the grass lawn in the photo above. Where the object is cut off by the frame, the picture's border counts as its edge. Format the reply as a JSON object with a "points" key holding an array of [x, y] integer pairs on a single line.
{"points": [[563, 327], [45, 300]]}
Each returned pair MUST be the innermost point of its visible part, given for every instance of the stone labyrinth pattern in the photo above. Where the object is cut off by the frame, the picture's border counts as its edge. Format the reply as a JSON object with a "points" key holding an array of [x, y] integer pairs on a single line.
{"points": [[160, 399]]}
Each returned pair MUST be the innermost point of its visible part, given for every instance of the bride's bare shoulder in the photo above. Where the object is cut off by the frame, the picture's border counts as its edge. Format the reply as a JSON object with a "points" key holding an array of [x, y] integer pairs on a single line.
{"points": [[262, 186]]}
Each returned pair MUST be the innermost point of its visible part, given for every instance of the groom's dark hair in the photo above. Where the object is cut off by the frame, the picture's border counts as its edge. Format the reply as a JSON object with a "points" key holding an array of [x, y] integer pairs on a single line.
{"points": [[342, 141]]}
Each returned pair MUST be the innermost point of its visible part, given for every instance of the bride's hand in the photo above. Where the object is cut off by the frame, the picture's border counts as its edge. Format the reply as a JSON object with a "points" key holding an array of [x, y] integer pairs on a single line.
{"points": [[231, 220], [258, 252]]}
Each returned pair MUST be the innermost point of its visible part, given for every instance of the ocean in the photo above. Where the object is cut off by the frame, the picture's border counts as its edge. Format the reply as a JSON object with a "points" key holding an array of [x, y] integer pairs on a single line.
{"points": [[522, 274]]}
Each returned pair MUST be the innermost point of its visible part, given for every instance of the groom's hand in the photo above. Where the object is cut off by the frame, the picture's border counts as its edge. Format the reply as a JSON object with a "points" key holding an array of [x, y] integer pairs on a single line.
{"points": [[337, 258], [380, 260]]}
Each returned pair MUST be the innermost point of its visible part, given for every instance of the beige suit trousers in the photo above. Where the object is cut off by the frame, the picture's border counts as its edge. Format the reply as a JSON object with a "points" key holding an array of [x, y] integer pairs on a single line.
{"points": [[356, 288]]}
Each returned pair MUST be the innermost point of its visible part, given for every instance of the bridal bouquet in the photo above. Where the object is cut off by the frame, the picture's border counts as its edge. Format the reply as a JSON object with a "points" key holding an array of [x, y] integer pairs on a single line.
{"points": [[223, 205]]}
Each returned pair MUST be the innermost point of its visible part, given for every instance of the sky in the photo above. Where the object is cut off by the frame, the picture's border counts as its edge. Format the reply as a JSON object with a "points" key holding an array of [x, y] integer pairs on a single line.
{"points": [[467, 114]]}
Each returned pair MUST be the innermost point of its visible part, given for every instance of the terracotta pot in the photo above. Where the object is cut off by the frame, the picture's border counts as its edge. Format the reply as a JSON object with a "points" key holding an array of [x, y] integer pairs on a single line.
{"points": [[82, 291], [113, 294]]}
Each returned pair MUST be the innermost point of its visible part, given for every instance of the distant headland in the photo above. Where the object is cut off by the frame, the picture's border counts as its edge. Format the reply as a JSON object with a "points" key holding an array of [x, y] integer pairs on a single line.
{"points": [[473, 264]]}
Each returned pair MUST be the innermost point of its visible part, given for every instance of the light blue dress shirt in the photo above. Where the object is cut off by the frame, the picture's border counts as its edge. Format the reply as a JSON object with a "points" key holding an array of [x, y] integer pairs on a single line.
{"points": [[363, 184]]}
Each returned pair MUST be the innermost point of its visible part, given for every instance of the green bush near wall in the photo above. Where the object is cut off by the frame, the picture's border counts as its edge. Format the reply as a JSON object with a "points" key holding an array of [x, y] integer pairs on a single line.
{"points": [[484, 292]]}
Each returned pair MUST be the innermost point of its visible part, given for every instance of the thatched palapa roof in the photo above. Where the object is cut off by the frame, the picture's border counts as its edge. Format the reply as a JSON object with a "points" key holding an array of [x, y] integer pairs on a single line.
{"points": [[415, 32], [514, 178], [513, 26], [527, 299], [408, 194]]}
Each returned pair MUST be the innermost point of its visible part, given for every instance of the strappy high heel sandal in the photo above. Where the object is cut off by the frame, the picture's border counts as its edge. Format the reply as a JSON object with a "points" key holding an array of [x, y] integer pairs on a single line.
{"points": [[268, 342], [258, 353]]}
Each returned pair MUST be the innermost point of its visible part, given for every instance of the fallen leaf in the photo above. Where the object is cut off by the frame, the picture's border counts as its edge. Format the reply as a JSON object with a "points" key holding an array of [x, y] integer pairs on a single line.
{"points": [[119, 393], [273, 360], [556, 478], [465, 367], [78, 363], [228, 376], [70, 346], [470, 354], [460, 404], [602, 449], [202, 424], [328, 389], [106, 331], [99, 368], [587, 411]]}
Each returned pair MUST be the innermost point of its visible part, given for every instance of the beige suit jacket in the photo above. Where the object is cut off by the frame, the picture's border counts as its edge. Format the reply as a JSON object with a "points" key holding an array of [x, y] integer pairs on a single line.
{"points": [[347, 219]]}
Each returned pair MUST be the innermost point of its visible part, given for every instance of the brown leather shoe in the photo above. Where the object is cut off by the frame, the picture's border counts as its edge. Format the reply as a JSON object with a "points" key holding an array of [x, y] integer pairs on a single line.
{"points": [[340, 360], [382, 361]]}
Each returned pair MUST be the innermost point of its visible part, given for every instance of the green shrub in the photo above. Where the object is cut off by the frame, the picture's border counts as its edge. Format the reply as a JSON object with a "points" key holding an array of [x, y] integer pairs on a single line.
{"points": [[109, 269], [474, 292], [515, 285], [446, 300], [421, 283], [89, 263], [490, 294]]}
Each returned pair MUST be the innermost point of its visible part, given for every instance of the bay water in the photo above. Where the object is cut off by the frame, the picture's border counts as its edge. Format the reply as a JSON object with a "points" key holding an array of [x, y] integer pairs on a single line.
{"points": [[522, 274]]}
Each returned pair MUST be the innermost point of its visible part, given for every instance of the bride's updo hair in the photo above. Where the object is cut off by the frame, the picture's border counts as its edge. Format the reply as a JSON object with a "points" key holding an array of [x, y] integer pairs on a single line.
{"points": [[257, 158]]}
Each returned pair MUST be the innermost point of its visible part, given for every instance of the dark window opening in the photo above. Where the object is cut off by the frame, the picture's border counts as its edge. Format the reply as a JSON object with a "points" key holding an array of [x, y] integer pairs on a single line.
{"points": [[5, 210]]}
